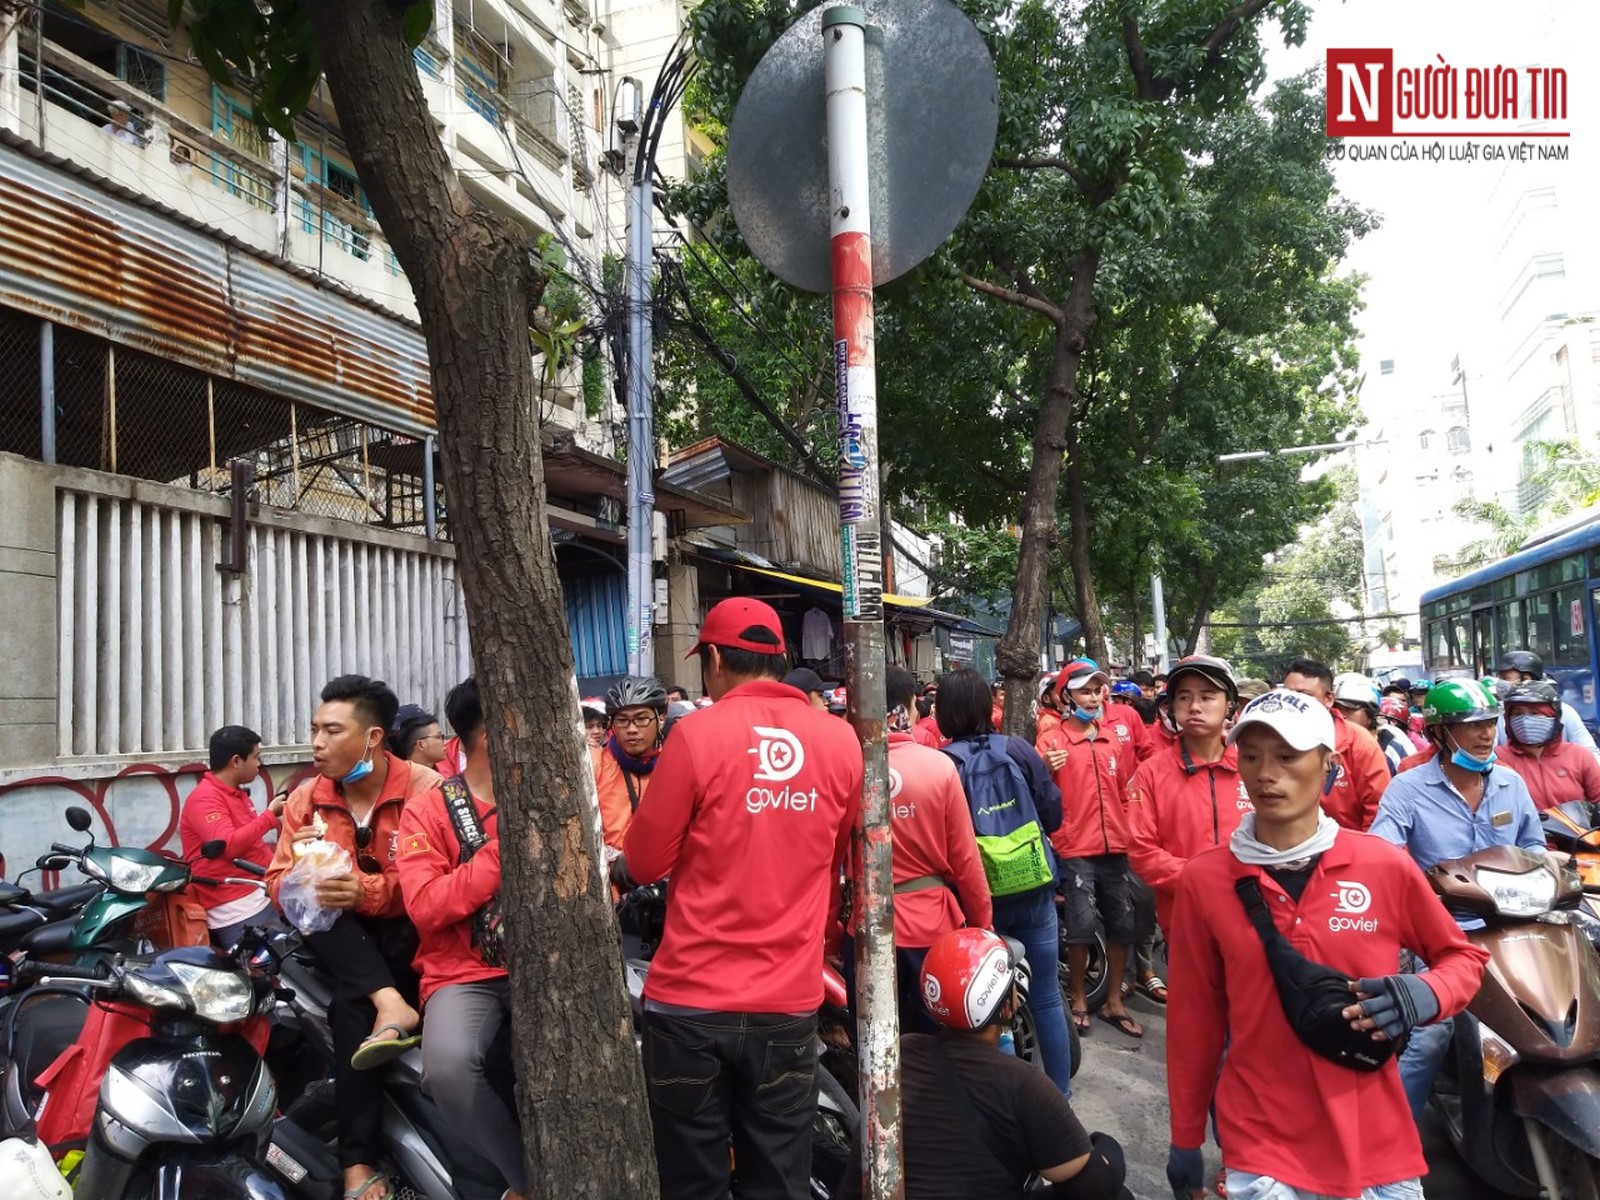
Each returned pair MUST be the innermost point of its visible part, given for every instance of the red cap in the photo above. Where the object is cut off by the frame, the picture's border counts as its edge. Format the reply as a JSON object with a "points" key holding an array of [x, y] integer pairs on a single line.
{"points": [[728, 619]]}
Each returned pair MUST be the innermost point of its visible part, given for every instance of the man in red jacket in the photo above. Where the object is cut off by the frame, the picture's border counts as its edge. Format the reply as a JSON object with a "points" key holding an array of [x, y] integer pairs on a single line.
{"points": [[939, 884], [219, 809], [1188, 797], [1363, 771], [1292, 1123], [1092, 840], [750, 812], [465, 997]]}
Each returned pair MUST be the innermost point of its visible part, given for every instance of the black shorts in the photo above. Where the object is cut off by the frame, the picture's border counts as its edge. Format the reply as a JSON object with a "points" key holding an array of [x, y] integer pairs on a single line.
{"points": [[1100, 884]]}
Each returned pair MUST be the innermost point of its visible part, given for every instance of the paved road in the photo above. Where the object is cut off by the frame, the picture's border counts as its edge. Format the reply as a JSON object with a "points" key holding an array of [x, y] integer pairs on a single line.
{"points": [[1121, 1089]]}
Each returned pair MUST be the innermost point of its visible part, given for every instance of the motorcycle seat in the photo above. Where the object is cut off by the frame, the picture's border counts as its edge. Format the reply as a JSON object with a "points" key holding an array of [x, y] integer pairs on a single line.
{"points": [[54, 938], [13, 925], [11, 894], [46, 1026], [67, 899]]}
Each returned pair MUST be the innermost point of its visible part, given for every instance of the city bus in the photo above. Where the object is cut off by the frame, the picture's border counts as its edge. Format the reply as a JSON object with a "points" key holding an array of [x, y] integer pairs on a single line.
{"points": [[1544, 598]]}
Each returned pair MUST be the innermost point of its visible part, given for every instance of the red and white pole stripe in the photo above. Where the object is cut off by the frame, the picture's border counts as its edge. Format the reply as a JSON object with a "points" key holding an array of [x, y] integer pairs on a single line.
{"points": [[855, 376]]}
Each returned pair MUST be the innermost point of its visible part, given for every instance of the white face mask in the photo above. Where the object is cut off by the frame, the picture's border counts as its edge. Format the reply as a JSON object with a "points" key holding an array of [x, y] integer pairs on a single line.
{"points": [[1532, 729]]}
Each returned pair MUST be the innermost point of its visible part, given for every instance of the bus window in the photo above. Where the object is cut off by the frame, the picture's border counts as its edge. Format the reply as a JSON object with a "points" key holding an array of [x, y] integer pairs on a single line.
{"points": [[1541, 630], [1507, 628], [1438, 644], [1571, 643], [1461, 639], [1482, 642]]}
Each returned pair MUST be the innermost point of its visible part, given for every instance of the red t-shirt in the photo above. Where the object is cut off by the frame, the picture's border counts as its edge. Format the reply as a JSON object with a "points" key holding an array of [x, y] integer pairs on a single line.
{"points": [[1363, 774], [1281, 1109], [215, 810], [442, 892], [750, 811], [1562, 772], [1176, 810], [1094, 818]]}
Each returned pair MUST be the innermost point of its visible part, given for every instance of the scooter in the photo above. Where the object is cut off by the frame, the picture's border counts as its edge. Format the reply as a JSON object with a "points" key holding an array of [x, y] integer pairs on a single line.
{"points": [[184, 1102], [1520, 1091], [1574, 827]]}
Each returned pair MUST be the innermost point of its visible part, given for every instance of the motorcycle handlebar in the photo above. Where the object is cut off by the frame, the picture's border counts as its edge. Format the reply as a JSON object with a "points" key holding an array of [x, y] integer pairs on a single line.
{"points": [[59, 848], [96, 974], [250, 868]]}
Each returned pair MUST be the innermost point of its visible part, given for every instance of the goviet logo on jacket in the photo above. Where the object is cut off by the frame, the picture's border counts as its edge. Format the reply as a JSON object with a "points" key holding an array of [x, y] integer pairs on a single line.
{"points": [[779, 758]]}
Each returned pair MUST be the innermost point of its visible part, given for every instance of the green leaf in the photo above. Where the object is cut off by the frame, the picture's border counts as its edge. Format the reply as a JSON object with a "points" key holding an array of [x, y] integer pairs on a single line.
{"points": [[418, 22]]}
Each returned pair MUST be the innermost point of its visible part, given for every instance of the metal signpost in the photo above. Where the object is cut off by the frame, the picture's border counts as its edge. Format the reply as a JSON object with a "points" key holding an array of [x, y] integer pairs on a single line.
{"points": [[811, 182]]}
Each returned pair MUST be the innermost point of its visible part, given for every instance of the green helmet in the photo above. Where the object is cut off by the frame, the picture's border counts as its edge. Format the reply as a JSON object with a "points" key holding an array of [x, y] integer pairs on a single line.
{"points": [[1459, 702]]}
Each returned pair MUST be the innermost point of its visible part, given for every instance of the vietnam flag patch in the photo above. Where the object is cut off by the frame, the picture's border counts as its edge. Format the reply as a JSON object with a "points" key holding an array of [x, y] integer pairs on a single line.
{"points": [[416, 843]]}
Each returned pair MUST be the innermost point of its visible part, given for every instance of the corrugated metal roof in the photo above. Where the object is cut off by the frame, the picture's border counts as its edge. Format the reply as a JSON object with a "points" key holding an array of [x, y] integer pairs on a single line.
{"points": [[73, 253]]}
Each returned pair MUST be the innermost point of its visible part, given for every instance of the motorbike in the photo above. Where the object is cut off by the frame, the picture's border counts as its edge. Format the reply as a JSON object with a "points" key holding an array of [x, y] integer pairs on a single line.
{"points": [[1574, 827], [1520, 1090], [184, 1102]]}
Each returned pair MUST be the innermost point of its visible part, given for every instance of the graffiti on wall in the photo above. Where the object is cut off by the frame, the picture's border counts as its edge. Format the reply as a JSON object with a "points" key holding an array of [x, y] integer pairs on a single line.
{"points": [[138, 806]]}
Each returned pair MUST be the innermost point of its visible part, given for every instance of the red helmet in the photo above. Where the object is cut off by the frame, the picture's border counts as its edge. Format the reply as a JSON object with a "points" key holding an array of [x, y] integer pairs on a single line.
{"points": [[966, 977], [1395, 708]]}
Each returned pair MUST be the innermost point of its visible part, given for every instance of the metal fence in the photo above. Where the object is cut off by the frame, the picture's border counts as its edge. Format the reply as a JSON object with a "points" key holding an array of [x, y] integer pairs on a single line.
{"points": [[158, 645], [129, 413]]}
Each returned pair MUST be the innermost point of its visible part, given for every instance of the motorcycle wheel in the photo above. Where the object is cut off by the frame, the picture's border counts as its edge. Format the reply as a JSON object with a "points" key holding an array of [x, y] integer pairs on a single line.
{"points": [[1577, 1176], [832, 1138], [1096, 976], [1025, 1035]]}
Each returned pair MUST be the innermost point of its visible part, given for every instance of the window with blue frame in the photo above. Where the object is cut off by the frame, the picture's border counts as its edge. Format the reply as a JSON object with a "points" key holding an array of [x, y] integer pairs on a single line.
{"points": [[339, 182], [231, 121]]}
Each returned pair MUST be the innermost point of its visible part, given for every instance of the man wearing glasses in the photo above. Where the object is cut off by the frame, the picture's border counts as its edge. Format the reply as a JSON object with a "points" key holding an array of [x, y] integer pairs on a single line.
{"points": [[635, 708], [354, 801]]}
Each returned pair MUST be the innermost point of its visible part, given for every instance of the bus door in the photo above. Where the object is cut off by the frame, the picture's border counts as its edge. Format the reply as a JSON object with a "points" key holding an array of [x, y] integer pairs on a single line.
{"points": [[1483, 643]]}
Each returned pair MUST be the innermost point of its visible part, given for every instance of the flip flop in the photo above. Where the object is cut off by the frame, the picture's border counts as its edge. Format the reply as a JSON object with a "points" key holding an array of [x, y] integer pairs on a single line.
{"points": [[1080, 1018], [377, 1049], [1154, 989], [1121, 1022], [1127, 988], [371, 1182]]}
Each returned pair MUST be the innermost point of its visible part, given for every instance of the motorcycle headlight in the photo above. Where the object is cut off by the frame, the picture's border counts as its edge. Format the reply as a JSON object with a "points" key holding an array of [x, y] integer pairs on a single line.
{"points": [[154, 995], [128, 876], [1527, 894], [216, 995]]}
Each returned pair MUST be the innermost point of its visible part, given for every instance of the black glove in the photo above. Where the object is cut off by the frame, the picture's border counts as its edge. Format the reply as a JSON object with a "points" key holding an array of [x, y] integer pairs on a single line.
{"points": [[1186, 1171], [618, 873], [1398, 1003]]}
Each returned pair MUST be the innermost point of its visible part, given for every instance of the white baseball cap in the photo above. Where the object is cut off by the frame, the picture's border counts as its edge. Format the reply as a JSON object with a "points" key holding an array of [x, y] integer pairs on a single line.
{"points": [[1299, 720]]}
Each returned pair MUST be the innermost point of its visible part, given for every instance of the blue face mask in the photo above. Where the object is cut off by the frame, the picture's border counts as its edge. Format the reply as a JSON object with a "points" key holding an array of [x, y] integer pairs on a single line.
{"points": [[1084, 715], [1467, 762], [358, 772]]}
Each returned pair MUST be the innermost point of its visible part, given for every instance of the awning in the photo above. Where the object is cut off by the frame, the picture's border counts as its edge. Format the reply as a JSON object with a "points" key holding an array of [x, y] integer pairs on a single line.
{"points": [[834, 589]]}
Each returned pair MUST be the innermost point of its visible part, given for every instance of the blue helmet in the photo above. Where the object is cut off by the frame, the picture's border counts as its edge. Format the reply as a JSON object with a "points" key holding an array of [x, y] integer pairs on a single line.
{"points": [[1127, 687]]}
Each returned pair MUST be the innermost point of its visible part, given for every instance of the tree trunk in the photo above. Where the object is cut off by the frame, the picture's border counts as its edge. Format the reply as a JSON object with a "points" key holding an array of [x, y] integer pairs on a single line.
{"points": [[579, 1082], [1087, 603], [1017, 656], [1202, 613]]}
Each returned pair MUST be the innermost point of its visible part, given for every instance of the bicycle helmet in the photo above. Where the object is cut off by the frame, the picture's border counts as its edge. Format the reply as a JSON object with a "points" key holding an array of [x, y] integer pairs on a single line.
{"points": [[1396, 709], [1523, 661], [1355, 688], [1127, 688], [1459, 702], [636, 691], [1214, 671], [1532, 691], [966, 977]]}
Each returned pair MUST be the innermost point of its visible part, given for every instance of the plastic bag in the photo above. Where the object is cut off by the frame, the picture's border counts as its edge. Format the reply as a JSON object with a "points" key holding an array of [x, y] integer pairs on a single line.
{"points": [[297, 894]]}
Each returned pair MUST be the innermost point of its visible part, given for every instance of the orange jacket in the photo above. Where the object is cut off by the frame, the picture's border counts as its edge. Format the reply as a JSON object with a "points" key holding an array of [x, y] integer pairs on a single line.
{"points": [[1176, 809], [380, 893], [442, 892], [1094, 818], [616, 804], [1363, 774]]}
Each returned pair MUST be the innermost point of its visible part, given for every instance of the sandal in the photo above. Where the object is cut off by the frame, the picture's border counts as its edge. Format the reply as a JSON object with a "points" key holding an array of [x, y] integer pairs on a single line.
{"points": [[1127, 988], [1221, 1186], [372, 1181], [1154, 989], [377, 1050], [1122, 1023], [1080, 1018]]}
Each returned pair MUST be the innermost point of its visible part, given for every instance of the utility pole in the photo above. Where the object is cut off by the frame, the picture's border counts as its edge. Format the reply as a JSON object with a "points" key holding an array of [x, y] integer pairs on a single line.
{"points": [[641, 418]]}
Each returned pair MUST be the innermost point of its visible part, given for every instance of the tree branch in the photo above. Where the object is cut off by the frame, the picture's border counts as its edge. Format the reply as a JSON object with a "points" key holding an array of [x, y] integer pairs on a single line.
{"points": [[1175, 391], [1051, 163], [1045, 309], [1138, 63], [1237, 16]]}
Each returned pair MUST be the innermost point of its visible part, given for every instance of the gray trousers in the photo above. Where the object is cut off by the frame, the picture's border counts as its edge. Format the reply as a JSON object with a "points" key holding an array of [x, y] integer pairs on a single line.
{"points": [[462, 1022]]}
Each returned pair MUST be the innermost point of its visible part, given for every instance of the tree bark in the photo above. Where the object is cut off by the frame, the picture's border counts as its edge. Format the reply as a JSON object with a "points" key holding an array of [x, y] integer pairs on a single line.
{"points": [[579, 1082], [1017, 656], [1084, 598]]}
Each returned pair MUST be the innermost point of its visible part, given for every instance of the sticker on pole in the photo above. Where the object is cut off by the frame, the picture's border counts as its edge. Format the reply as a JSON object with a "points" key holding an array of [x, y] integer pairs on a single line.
{"points": [[863, 573]]}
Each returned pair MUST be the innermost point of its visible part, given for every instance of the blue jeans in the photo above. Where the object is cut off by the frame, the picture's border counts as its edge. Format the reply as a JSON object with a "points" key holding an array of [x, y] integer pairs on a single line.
{"points": [[1244, 1186], [1031, 918], [1420, 1060]]}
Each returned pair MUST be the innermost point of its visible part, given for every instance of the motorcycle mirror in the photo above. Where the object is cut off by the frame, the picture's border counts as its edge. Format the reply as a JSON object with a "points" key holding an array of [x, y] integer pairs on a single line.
{"points": [[53, 862], [215, 848], [79, 819]]}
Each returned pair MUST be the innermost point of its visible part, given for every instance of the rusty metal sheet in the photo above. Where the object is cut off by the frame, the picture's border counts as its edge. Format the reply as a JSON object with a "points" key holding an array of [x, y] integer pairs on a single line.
{"points": [[74, 253]]}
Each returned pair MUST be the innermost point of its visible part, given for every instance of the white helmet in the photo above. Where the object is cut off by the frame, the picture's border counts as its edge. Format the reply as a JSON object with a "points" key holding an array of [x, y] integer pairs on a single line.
{"points": [[1351, 688], [27, 1172]]}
